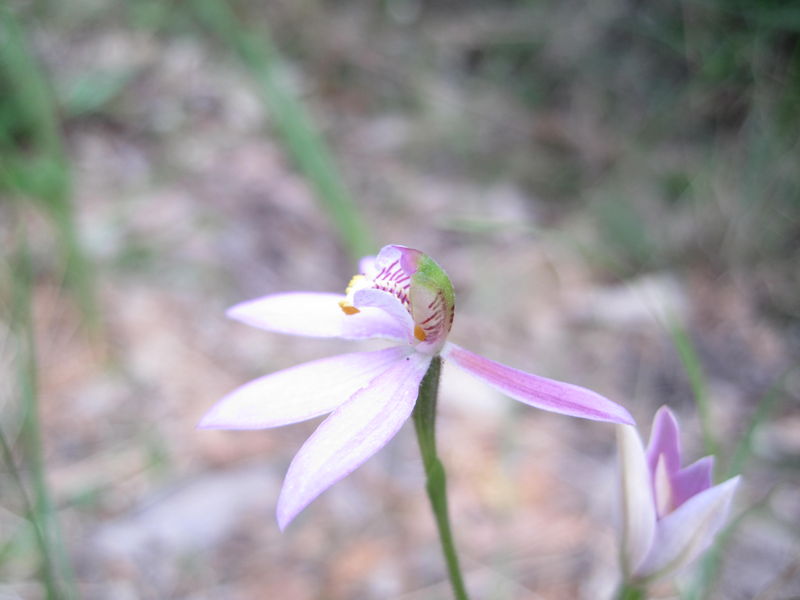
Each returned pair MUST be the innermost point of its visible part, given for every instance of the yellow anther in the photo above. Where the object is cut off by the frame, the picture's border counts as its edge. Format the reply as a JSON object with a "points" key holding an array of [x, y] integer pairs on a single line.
{"points": [[346, 305], [348, 308], [419, 333]]}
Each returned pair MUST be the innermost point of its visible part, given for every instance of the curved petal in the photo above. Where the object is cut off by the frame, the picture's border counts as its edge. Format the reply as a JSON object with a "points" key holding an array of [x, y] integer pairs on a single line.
{"points": [[638, 521], [389, 304], [299, 393], [683, 534], [665, 441], [392, 255], [315, 315], [366, 266], [351, 434], [692, 480], [540, 392]]}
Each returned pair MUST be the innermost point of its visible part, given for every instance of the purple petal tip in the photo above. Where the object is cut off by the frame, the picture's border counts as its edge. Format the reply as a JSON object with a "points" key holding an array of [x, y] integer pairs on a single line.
{"points": [[537, 391]]}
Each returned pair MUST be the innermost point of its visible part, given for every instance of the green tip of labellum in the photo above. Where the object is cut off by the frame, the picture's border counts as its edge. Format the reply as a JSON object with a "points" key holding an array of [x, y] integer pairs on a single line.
{"points": [[432, 300]]}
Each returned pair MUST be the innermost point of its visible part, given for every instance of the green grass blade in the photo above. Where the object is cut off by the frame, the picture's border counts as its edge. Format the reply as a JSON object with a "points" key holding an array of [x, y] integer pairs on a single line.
{"points": [[295, 127], [766, 405], [694, 370], [34, 164], [40, 533], [28, 88], [711, 562], [56, 570]]}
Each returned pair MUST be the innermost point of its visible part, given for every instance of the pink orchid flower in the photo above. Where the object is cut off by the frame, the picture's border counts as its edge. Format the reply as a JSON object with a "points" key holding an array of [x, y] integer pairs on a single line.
{"points": [[670, 514], [401, 295]]}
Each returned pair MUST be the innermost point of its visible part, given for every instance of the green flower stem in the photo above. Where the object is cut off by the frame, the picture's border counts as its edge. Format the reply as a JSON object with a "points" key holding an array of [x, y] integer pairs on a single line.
{"points": [[629, 591], [425, 425]]}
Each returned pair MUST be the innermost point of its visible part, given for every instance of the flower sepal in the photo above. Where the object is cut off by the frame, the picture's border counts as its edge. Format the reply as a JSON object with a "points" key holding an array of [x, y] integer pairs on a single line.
{"points": [[670, 514]]}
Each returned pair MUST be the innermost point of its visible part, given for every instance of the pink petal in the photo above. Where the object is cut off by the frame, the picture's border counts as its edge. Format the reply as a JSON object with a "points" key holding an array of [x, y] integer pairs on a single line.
{"points": [[299, 393], [665, 440], [351, 435], [638, 509], [685, 533], [540, 392], [315, 315], [394, 253], [692, 480]]}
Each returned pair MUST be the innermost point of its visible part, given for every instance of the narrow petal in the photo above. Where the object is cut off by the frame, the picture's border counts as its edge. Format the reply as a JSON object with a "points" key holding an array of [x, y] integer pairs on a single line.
{"points": [[692, 480], [351, 435], [683, 534], [315, 315], [665, 440], [638, 509], [663, 489], [540, 392], [299, 393]]}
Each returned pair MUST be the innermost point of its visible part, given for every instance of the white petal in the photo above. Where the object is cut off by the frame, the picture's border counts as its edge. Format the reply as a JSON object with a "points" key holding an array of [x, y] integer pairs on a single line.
{"points": [[351, 435], [316, 315], [389, 304], [366, 266], [662, 488], [685, 533], [638, 508], [299, 393]]}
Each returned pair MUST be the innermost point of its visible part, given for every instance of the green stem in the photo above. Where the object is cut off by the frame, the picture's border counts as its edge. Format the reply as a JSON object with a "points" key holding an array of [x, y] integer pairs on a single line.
{"points": [[425, 425], [629, 591]]}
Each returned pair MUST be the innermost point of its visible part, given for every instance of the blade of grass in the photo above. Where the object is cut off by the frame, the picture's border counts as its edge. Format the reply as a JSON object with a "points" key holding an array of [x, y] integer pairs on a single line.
{"points": [[710, 564], [28, 88], [57, 572], [48, 571], [293, 122], [694, 370], [35, 165], [766, 405]]}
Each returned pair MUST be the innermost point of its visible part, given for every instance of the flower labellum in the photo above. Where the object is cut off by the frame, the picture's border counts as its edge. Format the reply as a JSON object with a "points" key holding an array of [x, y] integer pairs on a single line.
{"points": [[670, 514], [401, 295]]}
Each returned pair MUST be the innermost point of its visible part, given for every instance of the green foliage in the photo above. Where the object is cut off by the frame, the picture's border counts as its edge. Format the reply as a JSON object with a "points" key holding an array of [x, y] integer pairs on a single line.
{"points": [[628, 239], [34, 164], [34, 167], [764, 409], [292, 121], [93, 91], [55, 569], [694, 369], [707, 571], [35, 175]]}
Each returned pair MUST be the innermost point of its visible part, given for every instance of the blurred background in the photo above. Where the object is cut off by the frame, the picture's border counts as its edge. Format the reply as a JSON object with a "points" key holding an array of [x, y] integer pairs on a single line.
{"points": [[612, 185]]}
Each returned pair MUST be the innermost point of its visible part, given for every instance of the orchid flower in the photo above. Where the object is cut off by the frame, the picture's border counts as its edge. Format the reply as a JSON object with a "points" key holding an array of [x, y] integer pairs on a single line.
{"points": [[670, 514], [400, 295]]}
